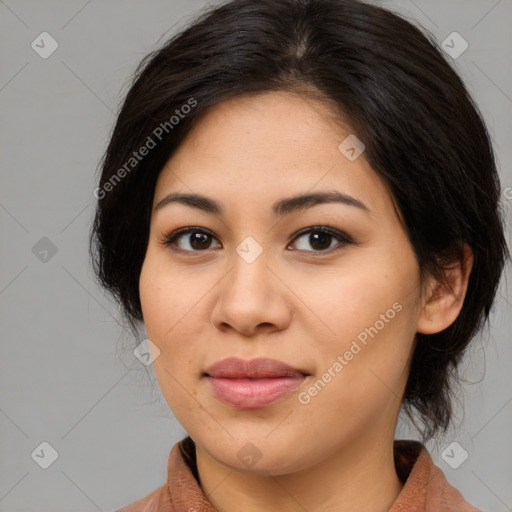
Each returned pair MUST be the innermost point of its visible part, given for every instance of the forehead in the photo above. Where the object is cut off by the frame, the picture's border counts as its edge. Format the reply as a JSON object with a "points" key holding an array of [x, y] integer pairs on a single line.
{"points": [[259, 149]]}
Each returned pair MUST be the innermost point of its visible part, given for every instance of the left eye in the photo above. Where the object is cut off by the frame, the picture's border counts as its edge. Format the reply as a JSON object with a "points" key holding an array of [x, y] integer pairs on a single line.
{"points": [[319, 237]]}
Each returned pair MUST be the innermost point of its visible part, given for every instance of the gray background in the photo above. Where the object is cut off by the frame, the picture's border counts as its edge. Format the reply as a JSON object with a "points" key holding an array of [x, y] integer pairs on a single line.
{"points": [[68, 376]]}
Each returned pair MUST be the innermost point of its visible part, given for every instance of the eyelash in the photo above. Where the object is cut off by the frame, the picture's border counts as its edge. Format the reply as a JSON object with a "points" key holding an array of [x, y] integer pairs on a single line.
{"points": [[344, 239]]}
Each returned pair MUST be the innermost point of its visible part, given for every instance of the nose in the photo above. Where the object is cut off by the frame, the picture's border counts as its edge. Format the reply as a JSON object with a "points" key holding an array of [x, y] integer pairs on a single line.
{"points": [[252, 298]]}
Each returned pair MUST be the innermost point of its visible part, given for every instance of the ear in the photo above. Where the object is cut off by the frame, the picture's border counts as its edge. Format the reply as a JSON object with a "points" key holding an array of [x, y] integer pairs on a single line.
{"points": [[442, 303]]}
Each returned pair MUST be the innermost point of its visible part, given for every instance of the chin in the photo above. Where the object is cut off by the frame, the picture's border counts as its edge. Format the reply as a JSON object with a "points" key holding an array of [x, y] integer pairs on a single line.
{"points": [[260, 454]]}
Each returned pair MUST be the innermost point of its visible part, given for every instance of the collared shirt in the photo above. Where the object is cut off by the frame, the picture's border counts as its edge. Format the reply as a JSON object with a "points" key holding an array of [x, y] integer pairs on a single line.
{"points": [[425, 486]]}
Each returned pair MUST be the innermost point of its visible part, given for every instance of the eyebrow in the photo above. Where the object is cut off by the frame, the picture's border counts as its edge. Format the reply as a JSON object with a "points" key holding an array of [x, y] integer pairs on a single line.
{"points": [[281, 208]]}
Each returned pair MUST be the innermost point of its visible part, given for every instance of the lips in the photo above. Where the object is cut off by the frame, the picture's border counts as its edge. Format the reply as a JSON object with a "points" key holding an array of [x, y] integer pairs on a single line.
{"points": [[259, 368], [253, 383]]}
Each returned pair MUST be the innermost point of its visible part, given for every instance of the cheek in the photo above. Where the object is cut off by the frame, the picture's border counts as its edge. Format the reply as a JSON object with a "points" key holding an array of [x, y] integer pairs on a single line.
{"points": [[165, 317], [174, 319], [165, 298], [371, 313], [350, 300]]}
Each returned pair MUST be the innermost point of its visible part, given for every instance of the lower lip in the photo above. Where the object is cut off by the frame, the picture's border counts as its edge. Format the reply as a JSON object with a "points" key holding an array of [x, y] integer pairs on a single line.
{"points": [[253, 393]]}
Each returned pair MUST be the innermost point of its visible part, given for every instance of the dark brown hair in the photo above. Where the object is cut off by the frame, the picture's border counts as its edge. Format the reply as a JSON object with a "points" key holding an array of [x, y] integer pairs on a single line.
{"points": [[390, 83]]}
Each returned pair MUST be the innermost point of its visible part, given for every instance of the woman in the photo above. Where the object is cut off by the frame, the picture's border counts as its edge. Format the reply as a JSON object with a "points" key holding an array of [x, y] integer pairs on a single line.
{"points": [[300, 203]]}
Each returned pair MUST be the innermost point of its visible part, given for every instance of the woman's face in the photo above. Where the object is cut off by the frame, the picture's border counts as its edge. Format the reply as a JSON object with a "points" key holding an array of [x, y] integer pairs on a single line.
{"points": [[343, 308]]}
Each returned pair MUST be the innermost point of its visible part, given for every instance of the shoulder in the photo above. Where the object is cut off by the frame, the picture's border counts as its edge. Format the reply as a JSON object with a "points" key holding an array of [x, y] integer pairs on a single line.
{"points": [[180, 487], [426, 488], [156, 501]]}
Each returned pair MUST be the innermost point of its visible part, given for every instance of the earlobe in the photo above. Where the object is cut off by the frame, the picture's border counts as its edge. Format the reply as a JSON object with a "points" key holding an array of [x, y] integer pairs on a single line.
{"points": [[443, 299]]}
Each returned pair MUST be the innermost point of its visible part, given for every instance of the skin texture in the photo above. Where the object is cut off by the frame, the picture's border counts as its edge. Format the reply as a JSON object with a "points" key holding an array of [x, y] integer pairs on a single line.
{"points": [[300, 302]]}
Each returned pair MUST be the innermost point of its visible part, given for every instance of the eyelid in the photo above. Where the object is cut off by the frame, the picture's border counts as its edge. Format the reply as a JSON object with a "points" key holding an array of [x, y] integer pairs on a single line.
{"points": [[169, 240], [336, 233], [342, 238]]}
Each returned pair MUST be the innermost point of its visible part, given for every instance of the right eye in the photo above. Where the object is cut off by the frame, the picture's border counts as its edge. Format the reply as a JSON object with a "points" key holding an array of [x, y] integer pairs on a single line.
{"points": [[197, 239]]}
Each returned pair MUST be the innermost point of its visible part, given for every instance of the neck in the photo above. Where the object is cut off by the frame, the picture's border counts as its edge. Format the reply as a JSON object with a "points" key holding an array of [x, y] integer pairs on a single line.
{"points": [[360, 477]]}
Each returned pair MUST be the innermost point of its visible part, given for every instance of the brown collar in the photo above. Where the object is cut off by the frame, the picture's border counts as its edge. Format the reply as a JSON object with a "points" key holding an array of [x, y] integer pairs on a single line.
{"points": [[425, 486]]}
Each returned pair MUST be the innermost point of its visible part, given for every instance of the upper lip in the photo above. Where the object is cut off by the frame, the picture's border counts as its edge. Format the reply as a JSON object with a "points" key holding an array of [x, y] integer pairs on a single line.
{"points": [[258, 368]]}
